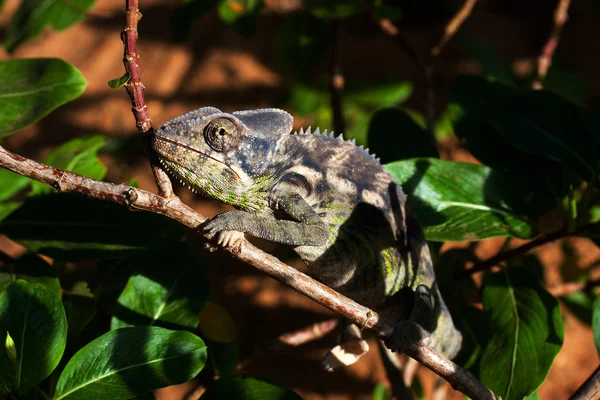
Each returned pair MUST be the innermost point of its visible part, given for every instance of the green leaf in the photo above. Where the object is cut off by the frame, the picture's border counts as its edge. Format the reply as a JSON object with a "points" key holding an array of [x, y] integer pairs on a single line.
{"points": [[457, 201], [335, 8], [527, 333], [394, 135], [381, 392], [169, 288], [224, 358], [70, 227], [34, 15], [120, 81], [11, 183], [31, 88], [128, 362], [7, 208], [305, 99], [536, 122], [241, 15], [378, 94], [301, 42], [245, 387], [32, 269], [80, 307], [79, 156], [35, 319], [596, 323]]}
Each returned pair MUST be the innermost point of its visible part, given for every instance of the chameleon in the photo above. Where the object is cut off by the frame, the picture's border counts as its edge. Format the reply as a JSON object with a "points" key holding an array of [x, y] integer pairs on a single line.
{"points": [[328, 198]]}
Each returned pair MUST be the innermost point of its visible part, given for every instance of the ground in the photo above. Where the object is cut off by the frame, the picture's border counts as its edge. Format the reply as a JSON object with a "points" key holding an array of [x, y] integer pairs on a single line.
{"points": [[219, 68]]}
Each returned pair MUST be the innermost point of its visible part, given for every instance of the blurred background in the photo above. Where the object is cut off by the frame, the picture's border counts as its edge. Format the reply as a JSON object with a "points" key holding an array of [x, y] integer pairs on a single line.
{"points": [[280, 58]]}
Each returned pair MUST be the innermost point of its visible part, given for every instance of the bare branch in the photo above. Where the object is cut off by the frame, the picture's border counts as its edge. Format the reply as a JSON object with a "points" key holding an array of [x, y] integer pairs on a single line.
{"points": [[517, 251], [135, 90], [590, 390], [453, 26], [561, 15], [365, 318]]}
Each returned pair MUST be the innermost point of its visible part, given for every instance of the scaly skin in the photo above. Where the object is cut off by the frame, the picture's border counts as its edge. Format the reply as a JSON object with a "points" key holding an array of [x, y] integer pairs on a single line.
{"points": [[329, 199]]}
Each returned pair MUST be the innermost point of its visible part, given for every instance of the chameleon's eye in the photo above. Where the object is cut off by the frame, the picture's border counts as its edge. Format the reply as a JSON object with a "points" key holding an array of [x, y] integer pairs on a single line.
{"points": [[221, 135]]}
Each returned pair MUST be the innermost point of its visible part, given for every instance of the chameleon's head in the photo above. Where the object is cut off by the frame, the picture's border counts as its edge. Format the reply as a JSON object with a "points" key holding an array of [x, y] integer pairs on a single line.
{"points": [[223, 155]]}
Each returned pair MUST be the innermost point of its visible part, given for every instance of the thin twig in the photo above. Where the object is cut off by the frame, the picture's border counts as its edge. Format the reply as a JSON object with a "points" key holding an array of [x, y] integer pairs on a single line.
{"points": [[174, 208], [590, 390], [517, 251], [135, 90], [336, 79], [427, 64], [561, 15], [568, 288]]}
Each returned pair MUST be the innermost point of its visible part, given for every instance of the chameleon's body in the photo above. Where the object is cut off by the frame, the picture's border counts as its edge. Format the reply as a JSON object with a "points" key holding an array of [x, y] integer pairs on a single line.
{"points": [[329, 199]]}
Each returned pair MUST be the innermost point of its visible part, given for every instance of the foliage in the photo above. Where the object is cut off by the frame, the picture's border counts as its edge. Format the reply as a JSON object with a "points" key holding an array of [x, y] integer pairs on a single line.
{"points": [[537, 151]]}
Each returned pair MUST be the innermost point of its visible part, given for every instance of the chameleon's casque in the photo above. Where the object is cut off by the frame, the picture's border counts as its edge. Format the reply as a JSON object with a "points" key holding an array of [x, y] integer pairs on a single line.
{"points": [[329, 199]]}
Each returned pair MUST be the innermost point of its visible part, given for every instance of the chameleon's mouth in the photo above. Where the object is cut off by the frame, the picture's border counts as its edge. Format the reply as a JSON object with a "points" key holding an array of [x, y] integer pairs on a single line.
{"points": [[160, 141]]}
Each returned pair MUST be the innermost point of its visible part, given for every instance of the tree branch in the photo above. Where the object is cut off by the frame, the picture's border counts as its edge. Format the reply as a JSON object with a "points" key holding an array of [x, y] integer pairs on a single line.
{"points": [[365, 318], [135, 90], [590, 390], [427, 64], [517, 251], [561, 15]]}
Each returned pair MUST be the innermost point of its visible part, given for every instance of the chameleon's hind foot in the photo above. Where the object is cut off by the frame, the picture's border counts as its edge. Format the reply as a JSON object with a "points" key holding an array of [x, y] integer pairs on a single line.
{"points": [[406, 333], [419, 325], [351, 348]]}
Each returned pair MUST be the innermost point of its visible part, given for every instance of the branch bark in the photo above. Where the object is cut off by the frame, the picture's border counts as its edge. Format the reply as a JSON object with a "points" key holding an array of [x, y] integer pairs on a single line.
{"points": [[174, 208], [590, 390], [561, 15]]}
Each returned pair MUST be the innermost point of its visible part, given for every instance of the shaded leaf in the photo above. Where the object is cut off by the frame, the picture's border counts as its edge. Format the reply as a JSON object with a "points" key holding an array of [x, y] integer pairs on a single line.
{"points": [[80, 307], [533, 121], [526, 333], [224, 358], [378, 94], [457, 201], [11, 183], [70, 227], [79, 156], [581, 304], [7, 208], [31, 88], [241, 15], [128, 362], [216, 324], [34, 15], [394, 135], [186, 14], [169, 288], [32, 269], [35, 319], [247, 387]]}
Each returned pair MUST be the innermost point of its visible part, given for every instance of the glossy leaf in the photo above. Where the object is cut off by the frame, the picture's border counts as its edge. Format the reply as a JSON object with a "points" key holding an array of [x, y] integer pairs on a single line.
{"points": [[33, 16], [526, 333], [247, 387], [11, 184], [394, 135], [536, 122], [457, 201], [596, 323], [32, 269], [35, 319], [169, 288], [129, 362], [79, 156], [70, 227], [31, 88]]}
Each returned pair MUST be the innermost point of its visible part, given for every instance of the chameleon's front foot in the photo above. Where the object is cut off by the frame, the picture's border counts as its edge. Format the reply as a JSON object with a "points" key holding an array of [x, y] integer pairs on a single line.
{"points": [[222, 227], [406, 333]]}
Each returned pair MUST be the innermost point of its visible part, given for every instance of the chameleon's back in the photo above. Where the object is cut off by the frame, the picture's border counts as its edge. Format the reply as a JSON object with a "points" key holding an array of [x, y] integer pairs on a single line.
{"points": [[376, 253]]}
